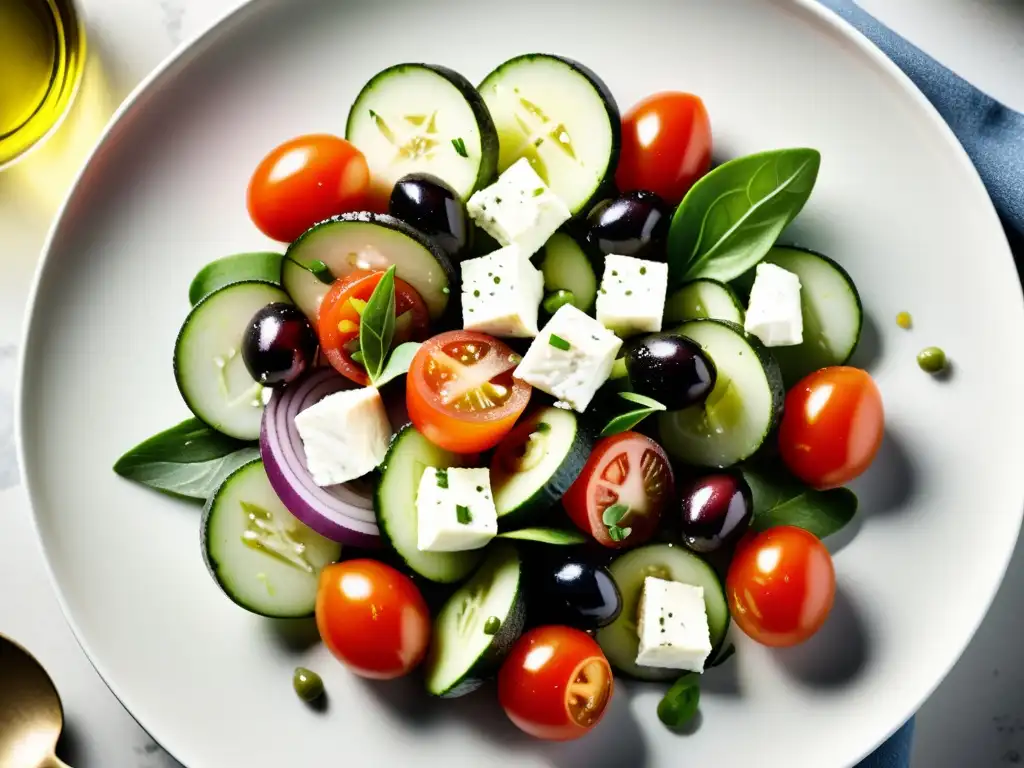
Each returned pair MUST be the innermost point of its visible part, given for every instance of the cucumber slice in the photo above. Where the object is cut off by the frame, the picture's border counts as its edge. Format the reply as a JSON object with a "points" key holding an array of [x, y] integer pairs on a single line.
{"points": [[704, 299], [423, 118], [462, 655], [208, 366], [535, 464], [561, 116], [671, 562], [567, 268], [831, 309], [741, 411], [366, 241], [264, 266], [395, 505], [263, 558]]}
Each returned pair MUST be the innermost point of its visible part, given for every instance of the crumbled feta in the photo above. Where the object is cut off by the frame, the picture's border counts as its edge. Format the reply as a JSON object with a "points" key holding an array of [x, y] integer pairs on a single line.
{"points": [[672, 623], [632, 295], [774, 313], [455, 510], [345, 435], [501, 293], [518, 208], [570, 358]]}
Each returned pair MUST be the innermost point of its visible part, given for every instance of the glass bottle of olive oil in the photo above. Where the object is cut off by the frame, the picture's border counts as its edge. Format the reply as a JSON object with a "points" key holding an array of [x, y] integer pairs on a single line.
{"points": [[42, 54]]}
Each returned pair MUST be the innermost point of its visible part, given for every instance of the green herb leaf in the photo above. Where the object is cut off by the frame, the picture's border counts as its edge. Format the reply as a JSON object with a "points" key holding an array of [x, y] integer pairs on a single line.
{"points": [[556, 536], [460, 147], [398, 362], [377, 325], [442, 477], [615, 533], [647, 402], [189, 460], [559, 343], [613, 515], [626, 421], [357, 357], [264, 266], [731, 217], [321, 272], [681, 702], [780, 499], [463, 515]]}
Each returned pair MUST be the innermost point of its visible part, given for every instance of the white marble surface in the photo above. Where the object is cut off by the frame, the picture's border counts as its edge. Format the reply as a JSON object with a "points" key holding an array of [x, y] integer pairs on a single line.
{"points": [[976, 718]]}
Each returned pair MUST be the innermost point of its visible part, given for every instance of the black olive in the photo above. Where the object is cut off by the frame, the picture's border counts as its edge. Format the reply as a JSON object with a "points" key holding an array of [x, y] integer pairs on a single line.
{"points": [[573, 591], [635, 224], [672, 369], [429, 205], [716, 510], [278, 345]]}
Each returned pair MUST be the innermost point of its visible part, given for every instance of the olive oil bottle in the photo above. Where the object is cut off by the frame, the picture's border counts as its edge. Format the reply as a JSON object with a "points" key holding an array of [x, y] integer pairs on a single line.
{"points": [[42, 54]]}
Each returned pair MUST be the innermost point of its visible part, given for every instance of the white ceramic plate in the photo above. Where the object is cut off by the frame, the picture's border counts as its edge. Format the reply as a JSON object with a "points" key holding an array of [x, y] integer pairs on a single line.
{"points": [[897, 203]]}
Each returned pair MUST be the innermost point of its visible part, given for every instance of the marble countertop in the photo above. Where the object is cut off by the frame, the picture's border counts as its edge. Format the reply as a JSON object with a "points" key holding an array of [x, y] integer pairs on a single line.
{"points": [[975, 718]]}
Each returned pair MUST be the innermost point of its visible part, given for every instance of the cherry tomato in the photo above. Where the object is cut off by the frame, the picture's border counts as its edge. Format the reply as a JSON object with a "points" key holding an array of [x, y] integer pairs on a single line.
{"points": [[304, 181], [626, 470], [666, 145], [372, 618], [832, 426], [556, 683], [340, 311], [460, 392], [781, 585]]}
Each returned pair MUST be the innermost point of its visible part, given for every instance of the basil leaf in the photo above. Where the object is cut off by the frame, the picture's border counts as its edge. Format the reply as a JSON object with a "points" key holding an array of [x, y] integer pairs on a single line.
{"points": [[377, 325], [189, 460], [681, 702], [780, 499], [613, 515], [233, 269], [643, 400], [398, 362], [556, 536], [733, 215], [626, 421]]}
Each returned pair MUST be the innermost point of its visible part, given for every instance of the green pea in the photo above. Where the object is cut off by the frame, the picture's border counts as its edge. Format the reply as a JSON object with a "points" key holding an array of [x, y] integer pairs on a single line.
{"points": [[492, 625], [307, 684], [555, 301], [932, 360]]}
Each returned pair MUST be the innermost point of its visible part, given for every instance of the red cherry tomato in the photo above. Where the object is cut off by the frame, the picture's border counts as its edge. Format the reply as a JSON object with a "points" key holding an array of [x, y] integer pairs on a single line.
{"points": [[781, 585], [304, 181], [627, 469], [556, 683], [666, 145], [832, 426], [372, 618]]}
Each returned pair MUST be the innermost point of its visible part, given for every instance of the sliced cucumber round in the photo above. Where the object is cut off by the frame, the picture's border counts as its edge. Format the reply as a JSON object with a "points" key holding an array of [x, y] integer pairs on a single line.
{"points": [[567, 268], [259, 554], [424, 118], [408, 456], [263, 265], [535, 464], [462, 654], [352, 241], [562, 117], [701, 300], [671, 562], [741, 410], [208, 365]]}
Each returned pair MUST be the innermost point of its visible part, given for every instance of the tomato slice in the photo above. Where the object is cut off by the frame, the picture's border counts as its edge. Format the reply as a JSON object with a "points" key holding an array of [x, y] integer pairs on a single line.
{"points": [[340, 311], [460, 392], [627, 469]]}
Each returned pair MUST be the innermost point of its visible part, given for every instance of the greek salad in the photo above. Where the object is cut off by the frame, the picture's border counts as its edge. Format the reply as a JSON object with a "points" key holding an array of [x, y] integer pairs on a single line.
{"points": [[533, 393]]}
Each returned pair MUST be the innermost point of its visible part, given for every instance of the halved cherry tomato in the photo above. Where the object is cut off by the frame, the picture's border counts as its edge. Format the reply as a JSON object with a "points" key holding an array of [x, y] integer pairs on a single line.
{"points": [[666, 145], [340, 311], [832, 426], [556, 683], [781, 585], [372, 618], [627, 469], [460, 392], [304, 181]]}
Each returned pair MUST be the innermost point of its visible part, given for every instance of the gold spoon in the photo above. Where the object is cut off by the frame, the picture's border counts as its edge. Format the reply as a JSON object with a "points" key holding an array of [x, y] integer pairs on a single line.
{"points": [[31, 716]]}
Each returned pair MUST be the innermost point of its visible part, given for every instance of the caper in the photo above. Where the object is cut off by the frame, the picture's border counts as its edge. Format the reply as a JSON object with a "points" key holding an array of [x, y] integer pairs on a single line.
{"points": [[932, 360], [307, 684], [555, 301]]}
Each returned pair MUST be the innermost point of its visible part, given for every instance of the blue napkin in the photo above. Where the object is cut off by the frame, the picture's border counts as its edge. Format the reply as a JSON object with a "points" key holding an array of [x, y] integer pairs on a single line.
{"points": [[993, 136]]}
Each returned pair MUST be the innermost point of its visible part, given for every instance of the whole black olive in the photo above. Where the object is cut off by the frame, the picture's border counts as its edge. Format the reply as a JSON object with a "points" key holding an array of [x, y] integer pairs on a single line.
{"points": [[429, 205], [635, 224], [574, 592], [716, 510], [672, 369], [278, 345]]}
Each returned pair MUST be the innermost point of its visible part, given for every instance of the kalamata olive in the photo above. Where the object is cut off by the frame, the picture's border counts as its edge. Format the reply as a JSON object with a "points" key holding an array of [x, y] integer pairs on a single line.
{"points": [[431, 206], [575, 592], [716, 510], [278, 345], [635, 224], [670, 368]]}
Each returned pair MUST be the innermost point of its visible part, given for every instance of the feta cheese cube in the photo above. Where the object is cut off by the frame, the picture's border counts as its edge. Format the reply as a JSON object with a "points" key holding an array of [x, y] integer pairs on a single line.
{"points": [[518, 208], [672, 623], [455, 510], [501, 293], [344, 436], [570, 358], [632, 295], [774, 313]]}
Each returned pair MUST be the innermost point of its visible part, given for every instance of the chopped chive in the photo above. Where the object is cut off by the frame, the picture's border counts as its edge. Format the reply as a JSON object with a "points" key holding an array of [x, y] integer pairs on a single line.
{"points": [[476, 294], [538, 191], [497, 280], [462, 514], [629, 293], [442, 478], [559, 343], [643, 270], [479, 489], [460, 147], [497, 200]]}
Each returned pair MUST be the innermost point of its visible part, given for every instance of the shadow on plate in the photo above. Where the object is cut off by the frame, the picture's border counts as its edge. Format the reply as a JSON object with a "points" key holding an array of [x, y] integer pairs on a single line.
{"points": [[723, 680], [617, 741], [69, 745], [293, 635], [870, 346]]}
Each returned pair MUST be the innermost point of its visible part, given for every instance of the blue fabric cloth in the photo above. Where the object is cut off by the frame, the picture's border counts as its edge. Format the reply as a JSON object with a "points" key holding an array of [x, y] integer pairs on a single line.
{"points": [[993, 136]]}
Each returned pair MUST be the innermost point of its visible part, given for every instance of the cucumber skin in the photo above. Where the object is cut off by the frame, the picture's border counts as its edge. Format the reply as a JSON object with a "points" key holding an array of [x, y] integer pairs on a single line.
{"points": [[212, 277], [488, 133]]}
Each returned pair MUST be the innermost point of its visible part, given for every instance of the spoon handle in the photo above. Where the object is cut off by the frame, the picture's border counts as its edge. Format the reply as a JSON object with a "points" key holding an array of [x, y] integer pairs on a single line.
{"points": [[53, 762]]}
